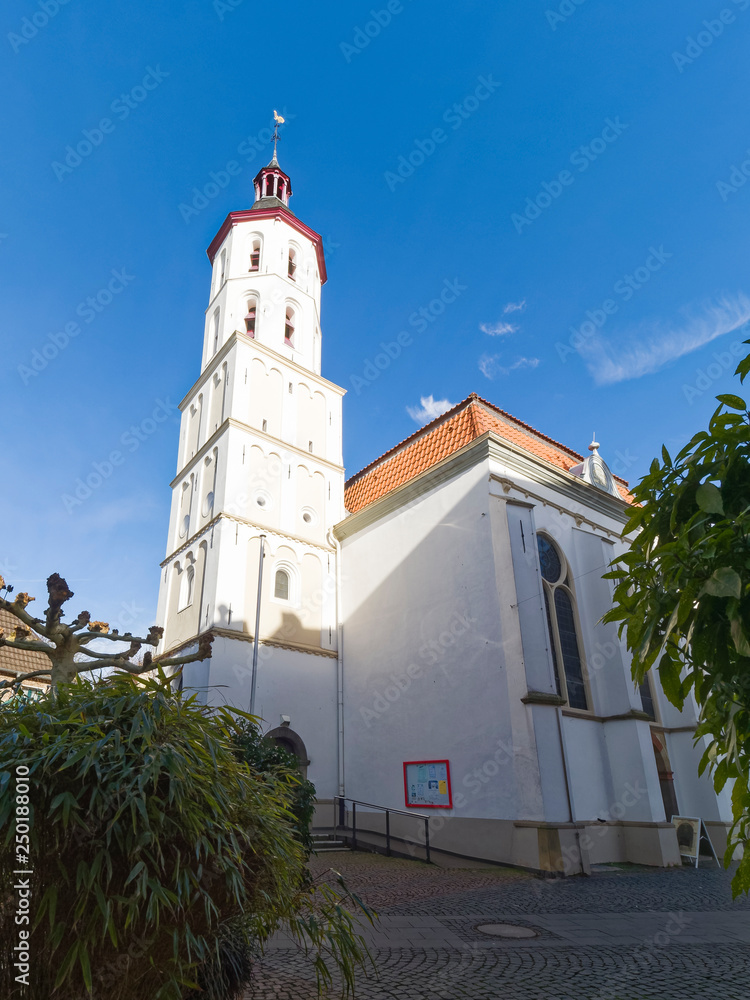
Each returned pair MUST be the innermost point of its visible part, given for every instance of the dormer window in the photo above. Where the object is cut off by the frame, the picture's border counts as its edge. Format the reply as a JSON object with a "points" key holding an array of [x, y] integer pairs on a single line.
{"points": [[255, 256], [289, 324], [292, 268], [252, 311]]}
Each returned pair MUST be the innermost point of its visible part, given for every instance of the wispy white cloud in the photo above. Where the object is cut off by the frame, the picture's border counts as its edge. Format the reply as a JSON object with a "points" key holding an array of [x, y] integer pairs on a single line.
{"points": [[655, 344], [490, 367], [513, 307], [498, 329], [429, 409]]}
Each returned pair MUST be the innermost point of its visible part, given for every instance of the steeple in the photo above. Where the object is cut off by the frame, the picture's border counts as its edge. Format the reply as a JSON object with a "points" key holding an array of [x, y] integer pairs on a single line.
{"points": [[272, 185]]}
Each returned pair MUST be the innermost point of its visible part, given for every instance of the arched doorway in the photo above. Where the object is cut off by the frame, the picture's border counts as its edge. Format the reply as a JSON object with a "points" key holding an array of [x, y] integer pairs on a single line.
{"points": [[291, 741], [666, 777]]}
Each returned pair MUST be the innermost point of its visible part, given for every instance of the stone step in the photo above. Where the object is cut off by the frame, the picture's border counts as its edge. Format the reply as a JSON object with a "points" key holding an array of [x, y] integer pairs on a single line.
{"points": [[326, 843]]}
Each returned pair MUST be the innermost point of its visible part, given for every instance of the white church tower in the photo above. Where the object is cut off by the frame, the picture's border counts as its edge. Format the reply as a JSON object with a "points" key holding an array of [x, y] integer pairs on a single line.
{"points": [[260, 454]]}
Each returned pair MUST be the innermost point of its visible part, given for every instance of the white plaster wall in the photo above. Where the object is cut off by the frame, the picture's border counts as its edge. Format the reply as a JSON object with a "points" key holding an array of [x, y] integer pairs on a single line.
{"points": [[299, 685], [273, 288], [695, 797], [407, 580], [590, 782]]}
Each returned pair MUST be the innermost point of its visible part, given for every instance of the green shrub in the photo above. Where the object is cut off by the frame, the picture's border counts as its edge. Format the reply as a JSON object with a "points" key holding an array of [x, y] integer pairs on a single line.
{"points": [[265, 755], [159, 859]]}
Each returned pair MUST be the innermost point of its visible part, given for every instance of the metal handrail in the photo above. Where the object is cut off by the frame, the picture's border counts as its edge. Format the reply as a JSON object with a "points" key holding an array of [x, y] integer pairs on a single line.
{"points": [[341, 800]]}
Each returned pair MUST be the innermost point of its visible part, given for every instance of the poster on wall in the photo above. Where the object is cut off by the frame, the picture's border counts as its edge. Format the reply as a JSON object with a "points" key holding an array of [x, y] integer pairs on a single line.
{"points": [[427, 784]]}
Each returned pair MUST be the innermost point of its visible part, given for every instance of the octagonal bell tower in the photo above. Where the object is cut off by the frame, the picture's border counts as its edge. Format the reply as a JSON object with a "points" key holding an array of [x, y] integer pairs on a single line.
{"points": [[260, 454]]}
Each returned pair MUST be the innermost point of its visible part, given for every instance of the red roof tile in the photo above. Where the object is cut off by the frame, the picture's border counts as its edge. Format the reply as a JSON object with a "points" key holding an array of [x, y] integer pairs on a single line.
{"points": [[20, 661], [447, 434]]}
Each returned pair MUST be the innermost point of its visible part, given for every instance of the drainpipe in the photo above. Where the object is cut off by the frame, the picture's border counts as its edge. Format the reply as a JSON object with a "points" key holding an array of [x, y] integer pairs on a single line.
{"points": [[339, 665], [254, 675]]}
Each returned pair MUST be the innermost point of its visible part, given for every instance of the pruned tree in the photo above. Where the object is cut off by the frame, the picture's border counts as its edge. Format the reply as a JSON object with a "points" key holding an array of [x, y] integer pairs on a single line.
{"points": [[682, 595], [67, 646]]}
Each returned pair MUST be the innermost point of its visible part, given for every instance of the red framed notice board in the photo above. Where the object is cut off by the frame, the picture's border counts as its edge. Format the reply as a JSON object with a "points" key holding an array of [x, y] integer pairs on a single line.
{"points": [[427, 784]]}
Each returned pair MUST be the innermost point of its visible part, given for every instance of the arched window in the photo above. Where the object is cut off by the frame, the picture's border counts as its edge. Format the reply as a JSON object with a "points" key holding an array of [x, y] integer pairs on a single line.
{"points": [[187, 587], [289, 324], [255, 255], [223, 268], [281, 585], [292, 267], [559, 601], [250, 318], [269, 185], [217, 316]]}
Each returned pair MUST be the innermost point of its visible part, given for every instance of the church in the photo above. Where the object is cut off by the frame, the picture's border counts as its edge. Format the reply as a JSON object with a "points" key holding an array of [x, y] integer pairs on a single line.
{"points": [[425, 635]]}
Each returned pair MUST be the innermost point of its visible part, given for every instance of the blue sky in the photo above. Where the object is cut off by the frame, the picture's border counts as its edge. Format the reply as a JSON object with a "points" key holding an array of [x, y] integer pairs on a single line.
{"points": [[573, 160]]}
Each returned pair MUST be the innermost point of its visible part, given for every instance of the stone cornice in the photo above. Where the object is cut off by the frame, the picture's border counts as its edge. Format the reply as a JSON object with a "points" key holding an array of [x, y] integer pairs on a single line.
{"points": [[263, 436], [222, 515], [543, 698], [490, 446], [559, 480], [227, 633], [238, 338], [633, 715]]}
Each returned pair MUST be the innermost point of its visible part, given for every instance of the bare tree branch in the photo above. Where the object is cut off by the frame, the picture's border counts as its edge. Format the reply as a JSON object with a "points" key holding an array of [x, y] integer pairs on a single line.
{"points": [[67, 644], [83, 640], [18, 610], [23, 677], [33, 645]]}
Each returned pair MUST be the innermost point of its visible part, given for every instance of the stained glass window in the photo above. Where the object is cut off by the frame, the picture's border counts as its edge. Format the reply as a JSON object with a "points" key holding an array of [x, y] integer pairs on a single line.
{"points": [[561, 624], [549, 560], [566, 629]]}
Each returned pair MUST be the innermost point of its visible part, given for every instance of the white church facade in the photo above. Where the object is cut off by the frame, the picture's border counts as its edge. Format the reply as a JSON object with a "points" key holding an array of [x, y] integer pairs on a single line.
{"points": [[428, 635]]}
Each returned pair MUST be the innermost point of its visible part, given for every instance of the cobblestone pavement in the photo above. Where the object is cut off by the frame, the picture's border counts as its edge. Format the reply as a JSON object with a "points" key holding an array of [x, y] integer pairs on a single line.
{"points": [[622, 934]]}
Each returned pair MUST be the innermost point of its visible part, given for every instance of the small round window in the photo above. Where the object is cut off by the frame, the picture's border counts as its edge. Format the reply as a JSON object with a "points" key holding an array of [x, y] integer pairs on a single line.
{"points": [[309, 516], [263, 499]]}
